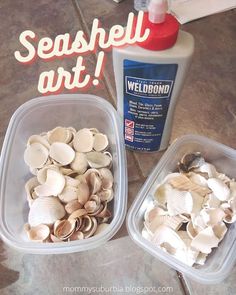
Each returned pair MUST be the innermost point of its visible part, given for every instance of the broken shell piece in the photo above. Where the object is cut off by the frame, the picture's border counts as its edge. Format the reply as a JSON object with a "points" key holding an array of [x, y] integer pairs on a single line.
{"points": [[220, 230], [39, 233], [197, 202], [64, 228], [62, 153], [45, 210], [36, 155], [101, 227], [207, 168], [77, 235], [53, 186], [212, 216], [100, 142], [29, 187], [201, 258], [106, 195], [38, 139], [98, 159], [73, 206], [60, 134], [80, 163], [95, 183], [162, 192], [191, 161], [198, 179], [69, 193], [42, 173], [107, 178], [179, 202], [83, 193], [191, 231], [55, 239], [71, 181], [211, 201], [219, 189], [83, 141], [230, 216], [205, 241]]}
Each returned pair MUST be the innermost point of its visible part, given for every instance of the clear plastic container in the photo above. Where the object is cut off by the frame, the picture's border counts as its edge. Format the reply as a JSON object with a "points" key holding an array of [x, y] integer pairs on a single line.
{"points": [[220, 262], [34, 117]]}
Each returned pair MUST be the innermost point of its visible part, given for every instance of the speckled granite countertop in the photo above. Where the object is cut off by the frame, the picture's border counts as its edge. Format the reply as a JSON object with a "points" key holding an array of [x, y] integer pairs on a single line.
{"points": [[207, 106]]}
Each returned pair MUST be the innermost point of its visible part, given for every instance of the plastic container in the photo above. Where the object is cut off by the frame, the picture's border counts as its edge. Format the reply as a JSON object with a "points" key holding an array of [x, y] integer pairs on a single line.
{"points": [[221, 260], [141, 4], [42, 114]]}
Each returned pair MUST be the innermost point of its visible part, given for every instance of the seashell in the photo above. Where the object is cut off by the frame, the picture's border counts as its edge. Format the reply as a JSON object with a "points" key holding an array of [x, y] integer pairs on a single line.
{"points": [[33, 171], [64, 228], [106, 195], [232, 186], [232, 204], [198, 222], [212, 216], [223, 177], [205, 240], [69, 193], [77, 213], [179, 202], [174, 222], [153, 211], [54, 239], [207, 168], [62, 153], [101, 227], [191, 161], [182, 182], [77, 235], [191, 231], [230, 216], [45, 210], [102, 212], [71, 181], [211, 201], [80, 163], [59, 134], [36, 155], [93, 205], [198, 179], [220, 230], [39, 233], [89, 230], [29, 187], [42, 173], [201, 258], [38, 139], [72, 206], [95, 183], [219, 189], [83, 141], [98, 159], [162, 192], [53, 186], [94, 130], [66, 171], [100, 142], [106, 177], [197, 202], [83, 193]]}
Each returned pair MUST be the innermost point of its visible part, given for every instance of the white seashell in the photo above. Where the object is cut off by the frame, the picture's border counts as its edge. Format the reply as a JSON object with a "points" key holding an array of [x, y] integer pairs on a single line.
{"points": [[72, 206], [219, 189], [205, 241], [36, 155], [95, 183], [80, 163], [53, 186], [191, 231], [62, 153], [69, 193], [106, 177], [83, 193], [98, 159], [29, 187], [198, 222], [212, 216], [83, 141], [38, 139], [162, 192], [71, 181], [39, 233], [60, 134], [100, 142], [207, 168], [197, 202], [211, 201], [220, 230], [153, 211], [179, 202], [101, 227], [198, 179], [223, 177], [42, 173], [45, 210]]}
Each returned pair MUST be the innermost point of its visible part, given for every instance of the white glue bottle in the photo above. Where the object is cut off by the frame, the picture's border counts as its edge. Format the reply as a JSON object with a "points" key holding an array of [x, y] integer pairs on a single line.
{"points": [[149, 77]]}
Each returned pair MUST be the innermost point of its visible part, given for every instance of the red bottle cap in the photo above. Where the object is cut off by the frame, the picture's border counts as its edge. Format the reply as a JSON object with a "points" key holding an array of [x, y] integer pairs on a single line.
{"points": [[162, 35]]}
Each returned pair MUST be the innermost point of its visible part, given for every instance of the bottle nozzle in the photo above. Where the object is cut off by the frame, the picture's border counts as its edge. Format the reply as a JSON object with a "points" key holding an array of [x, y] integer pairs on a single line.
{"points": [[157, 11]]}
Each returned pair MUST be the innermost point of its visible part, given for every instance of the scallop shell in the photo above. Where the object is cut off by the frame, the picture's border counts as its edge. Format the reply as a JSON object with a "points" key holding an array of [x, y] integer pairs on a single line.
{"points": [[179, 202], [42, 173], [38, 139], [72, 206], [98, 159], [39, 233], [100, 142], [83, 141], [29, 187], [211, 201], [60, 134], [69, 193], [95, 183], [71, 181], [80, 163], [212, 216], [106, 195], [198, 179], [106, 177], [219, 189], [62, 153], [53, 186], [36, 155], [191, 231], [45, 210], [83, 193]]}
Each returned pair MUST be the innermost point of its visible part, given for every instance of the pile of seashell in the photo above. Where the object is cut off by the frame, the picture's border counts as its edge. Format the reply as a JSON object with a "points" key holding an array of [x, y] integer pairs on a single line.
{"points": [[191, 210], [69, 194]]}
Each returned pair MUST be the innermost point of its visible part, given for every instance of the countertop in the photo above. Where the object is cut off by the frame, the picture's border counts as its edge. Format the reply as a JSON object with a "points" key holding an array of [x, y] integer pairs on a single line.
{"points": [[207, 106]]}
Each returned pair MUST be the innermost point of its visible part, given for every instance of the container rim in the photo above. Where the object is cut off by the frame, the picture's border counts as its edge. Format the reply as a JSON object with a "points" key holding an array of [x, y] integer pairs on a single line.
{"points": [[133, 231], [118, 218]]}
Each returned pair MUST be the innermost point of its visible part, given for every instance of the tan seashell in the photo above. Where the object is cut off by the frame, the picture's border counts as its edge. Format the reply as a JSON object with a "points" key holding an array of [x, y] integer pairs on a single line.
{"points": [[198, 179], [191, 231], [29, 187], [83, 141], [93, 205], [38, 139], [179, 202], [64, 228], [66, 171], [90, 228], [219, 189], [36, 155], [98, 160], [182, 182], [101, 227], [62, 153], [80, 163], [59, 134], [42, 173], [220, 230], [39, 233], [53, 186], [106, 177], [78, 213], [100, 142], [77, 235], [54, 239], [83, 193], [69, 193], [72, 206], [95, 183], [71, 181], [45, 211], [106, 195], [197, 202]]}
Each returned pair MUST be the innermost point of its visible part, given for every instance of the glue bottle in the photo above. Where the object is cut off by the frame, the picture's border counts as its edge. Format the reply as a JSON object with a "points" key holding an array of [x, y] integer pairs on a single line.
{"points": [[149, 77]]}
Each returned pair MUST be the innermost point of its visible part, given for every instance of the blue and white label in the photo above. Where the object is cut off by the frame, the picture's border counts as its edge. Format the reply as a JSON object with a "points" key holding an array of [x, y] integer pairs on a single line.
{"points": [[147, 95]]}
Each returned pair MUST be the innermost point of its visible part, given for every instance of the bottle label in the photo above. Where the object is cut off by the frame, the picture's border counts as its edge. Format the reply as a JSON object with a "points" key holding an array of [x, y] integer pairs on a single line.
{"points": [[147, 95]]}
